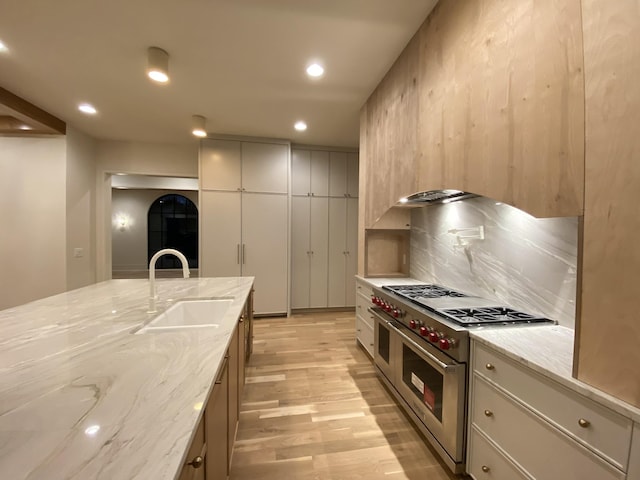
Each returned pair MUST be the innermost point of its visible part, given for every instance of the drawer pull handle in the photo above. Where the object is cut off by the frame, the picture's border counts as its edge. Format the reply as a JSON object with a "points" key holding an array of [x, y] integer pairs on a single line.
{"points": [[485, 469], [584, 423], [490, 366], [488, 413], [196, 462]]}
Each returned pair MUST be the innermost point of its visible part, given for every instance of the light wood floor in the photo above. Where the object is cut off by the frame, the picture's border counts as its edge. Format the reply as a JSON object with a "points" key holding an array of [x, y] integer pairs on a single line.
{"points": [[313, 408]]}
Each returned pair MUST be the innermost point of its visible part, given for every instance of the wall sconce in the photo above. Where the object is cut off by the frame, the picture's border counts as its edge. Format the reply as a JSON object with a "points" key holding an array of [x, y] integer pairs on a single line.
{"points": [[199, 126], [122, 223], [158, 65]]}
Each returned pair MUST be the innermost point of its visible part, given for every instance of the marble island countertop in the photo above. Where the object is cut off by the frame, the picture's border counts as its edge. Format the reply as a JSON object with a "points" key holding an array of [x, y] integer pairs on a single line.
{"points": [[82, 397]]}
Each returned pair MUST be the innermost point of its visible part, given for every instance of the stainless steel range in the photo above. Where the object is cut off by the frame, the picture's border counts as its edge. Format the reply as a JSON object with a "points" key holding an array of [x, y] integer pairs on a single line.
{"points": [[422, 350]]}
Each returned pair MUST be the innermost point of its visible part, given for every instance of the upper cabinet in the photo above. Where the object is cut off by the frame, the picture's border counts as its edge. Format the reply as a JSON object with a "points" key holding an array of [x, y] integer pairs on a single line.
{"points": [[310, 172], [343, 174], [243, 166], [488, 98]]}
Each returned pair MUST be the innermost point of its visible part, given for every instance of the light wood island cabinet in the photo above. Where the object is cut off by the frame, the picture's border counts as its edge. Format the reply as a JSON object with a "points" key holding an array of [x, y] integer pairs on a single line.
{"points": [[210, 454]]}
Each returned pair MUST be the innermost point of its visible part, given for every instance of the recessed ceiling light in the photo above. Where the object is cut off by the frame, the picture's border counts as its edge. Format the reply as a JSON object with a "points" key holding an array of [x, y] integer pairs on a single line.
{"points": [[87, 108], [3, 47], [25, 127], [300, 126], [315, 70]]}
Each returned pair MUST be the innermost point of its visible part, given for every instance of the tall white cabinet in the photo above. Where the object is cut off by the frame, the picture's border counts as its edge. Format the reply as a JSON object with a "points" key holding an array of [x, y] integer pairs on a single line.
{"points": [[323, 228], [244, 216]]}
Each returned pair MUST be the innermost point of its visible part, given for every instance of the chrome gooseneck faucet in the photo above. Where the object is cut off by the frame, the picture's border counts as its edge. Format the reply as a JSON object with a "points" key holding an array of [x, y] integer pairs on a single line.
{"points": [[152, 273]]}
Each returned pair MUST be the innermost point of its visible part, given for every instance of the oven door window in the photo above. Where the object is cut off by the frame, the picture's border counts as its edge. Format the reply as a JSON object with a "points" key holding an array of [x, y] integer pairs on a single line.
{"points": [[424, 381], [384, 345]]}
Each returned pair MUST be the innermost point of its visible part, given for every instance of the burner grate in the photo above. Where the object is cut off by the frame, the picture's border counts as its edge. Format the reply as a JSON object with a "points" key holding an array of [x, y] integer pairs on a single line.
{"points": [[488, 315], [413, 292]]}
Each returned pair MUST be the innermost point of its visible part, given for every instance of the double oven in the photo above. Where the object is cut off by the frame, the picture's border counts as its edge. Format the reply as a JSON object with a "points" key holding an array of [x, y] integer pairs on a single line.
{"points": [[421, 353]]}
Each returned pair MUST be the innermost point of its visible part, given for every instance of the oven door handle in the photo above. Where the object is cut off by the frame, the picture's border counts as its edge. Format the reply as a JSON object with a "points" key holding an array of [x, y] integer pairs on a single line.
{"points": [[444, 366]]}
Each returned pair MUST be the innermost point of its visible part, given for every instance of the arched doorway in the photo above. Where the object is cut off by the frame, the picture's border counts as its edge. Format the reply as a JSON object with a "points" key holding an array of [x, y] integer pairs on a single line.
{"points": [[173, 223]]}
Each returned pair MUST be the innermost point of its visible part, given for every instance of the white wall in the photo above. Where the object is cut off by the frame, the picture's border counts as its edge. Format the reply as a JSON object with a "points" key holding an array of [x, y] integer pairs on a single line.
{"points": [[133, 158], [81, 224], [524, 262], [33, 233], [129, 243]]}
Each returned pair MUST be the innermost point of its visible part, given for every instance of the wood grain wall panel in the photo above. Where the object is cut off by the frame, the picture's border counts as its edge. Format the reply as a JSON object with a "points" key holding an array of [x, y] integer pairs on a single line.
{"points": [[362, 188], [607, 338], [391, 136], [501, 103]]}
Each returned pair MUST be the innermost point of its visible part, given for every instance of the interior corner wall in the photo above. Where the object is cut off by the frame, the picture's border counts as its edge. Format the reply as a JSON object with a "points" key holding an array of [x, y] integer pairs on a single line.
{"points": [[33, 202], [81, 218]]}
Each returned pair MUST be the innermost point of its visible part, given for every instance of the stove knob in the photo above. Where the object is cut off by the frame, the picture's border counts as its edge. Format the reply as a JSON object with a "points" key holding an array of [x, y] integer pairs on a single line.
{"points": [[423, 331], [444, 343], [374, 300], [388, 307], [434, 337], [413, 324], [398, 313]]}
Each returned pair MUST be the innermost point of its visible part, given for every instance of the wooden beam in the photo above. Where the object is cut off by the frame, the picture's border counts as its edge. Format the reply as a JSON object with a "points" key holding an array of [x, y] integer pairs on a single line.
{"points": [[19, 107]]}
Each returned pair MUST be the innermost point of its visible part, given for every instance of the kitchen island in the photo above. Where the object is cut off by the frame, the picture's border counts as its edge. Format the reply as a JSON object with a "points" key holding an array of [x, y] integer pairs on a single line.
{"points": [[82, 396]]}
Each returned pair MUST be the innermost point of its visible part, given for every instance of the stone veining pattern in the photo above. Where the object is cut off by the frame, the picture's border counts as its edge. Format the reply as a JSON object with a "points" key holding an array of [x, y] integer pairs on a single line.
{"points": [[82, 397], [498, 252]]}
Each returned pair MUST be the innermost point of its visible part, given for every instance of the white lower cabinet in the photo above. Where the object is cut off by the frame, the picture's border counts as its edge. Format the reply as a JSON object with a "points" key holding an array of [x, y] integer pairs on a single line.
{"points": [[364, 320], [634, 459], [245, 234], [309, 251], [343, 251], [527, 426]]}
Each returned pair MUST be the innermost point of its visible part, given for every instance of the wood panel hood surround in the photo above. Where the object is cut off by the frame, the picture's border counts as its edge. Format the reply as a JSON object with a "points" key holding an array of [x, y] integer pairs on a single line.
{"points": [[506, 100]]}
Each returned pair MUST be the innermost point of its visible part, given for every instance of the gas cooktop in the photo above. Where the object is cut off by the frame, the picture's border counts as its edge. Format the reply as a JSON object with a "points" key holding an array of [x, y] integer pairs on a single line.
{"points": [[460, 308]]}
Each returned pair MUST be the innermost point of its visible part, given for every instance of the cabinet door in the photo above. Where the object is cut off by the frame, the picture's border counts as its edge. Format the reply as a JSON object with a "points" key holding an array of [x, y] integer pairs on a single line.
{"points": [[337, 174], [220, 234], [319, 258], [337, 252], [197, 449], [300, 172], [352, 175], [352, 250], [264, 256], [215, 421], [233, 407], [220, 165], [265, 167], [320, 173], [300, 252]]}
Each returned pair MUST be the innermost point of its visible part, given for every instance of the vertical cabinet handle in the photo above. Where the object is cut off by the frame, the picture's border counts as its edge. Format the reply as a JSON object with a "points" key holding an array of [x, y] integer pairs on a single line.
{"points": [[238, 253], [243, 254]]}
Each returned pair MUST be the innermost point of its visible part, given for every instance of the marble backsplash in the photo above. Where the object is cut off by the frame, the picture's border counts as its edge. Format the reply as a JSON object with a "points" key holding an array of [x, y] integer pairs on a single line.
{"points": [[493, 250]]}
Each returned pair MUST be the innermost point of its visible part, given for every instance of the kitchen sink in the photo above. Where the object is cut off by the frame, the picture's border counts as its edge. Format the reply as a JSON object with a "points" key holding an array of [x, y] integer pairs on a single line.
{"points": [[187, 314]]}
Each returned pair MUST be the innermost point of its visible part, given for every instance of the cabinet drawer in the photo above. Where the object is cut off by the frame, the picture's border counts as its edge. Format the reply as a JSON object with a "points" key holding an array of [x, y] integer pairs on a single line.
{"points": [[362, 304], [608, 432], [364, 289], [486, 462], [364, 334], [540, 448]]}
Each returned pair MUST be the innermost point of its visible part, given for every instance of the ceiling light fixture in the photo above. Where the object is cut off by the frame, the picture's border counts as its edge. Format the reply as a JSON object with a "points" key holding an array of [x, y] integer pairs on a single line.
{"points": [[3, 47], [199, 126], [158, 65], [300, 126], [87, 108], [315, 70]]}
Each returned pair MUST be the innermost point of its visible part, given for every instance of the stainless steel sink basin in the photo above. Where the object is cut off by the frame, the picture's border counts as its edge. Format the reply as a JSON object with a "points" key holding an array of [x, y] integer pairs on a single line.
{"points": [[189, 314]]}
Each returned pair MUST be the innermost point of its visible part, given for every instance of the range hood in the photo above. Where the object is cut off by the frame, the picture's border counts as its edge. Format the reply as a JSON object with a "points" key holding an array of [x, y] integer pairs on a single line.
{"points": [[436, 196]]}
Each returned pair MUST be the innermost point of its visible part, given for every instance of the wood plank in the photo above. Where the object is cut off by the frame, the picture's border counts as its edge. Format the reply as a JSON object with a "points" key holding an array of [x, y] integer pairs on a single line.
{"points": [[608, 329], [34, 116], [325, 414]]}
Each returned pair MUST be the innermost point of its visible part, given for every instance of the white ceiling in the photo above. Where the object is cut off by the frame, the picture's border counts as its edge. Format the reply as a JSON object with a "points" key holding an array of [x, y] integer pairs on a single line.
{"points": [[239, 63]]}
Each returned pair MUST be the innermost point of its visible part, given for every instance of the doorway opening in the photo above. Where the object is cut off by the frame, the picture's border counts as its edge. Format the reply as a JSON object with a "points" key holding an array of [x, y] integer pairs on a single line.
{"points": [[172, 222]]}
